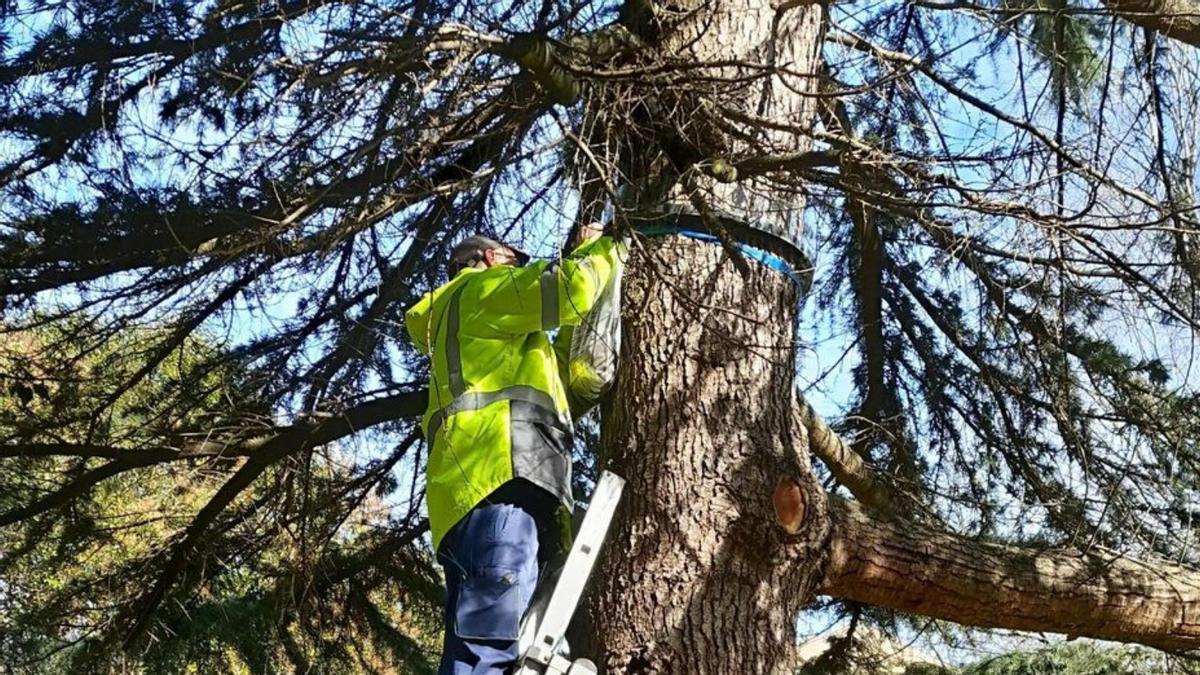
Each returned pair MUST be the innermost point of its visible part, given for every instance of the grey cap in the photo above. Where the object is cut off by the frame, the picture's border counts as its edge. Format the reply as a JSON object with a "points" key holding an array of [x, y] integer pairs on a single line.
{"points": [[470, 251]]}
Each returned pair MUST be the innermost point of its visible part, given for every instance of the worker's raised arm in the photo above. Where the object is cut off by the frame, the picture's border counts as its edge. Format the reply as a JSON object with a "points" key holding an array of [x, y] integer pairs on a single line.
{"points": [[562, 357], [544, 296], [416, 321], [582, 276]]}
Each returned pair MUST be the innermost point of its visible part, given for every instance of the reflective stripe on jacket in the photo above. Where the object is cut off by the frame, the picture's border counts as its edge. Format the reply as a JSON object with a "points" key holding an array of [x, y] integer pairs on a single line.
{"points": [[497, 406]]}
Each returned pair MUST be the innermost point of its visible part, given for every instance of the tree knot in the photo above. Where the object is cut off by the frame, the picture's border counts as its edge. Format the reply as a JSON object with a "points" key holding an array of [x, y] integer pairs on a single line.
{"points": [[789, 505]]}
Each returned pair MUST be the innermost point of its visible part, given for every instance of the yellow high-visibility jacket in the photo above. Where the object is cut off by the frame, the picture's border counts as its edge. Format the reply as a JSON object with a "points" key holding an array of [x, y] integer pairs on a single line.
{"points": [[497, 404]]}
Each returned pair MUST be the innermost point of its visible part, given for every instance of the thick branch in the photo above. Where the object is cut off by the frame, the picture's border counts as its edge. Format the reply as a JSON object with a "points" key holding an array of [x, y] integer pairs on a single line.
{"points": [[1097, 594], [845, 464], [88, 450], [1177, 19], [797, 161], [263, 449], [326, 428]]}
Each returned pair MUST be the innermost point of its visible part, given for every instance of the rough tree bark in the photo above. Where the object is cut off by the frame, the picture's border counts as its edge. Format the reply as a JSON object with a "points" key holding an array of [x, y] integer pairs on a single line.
{"points": [[725, 535], [708, 577], [723, 528], [1176, 19]]}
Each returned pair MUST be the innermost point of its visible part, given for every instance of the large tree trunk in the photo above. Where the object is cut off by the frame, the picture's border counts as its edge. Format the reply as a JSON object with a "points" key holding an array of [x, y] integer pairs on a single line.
{"points": [[724, 526], [724, 535]]}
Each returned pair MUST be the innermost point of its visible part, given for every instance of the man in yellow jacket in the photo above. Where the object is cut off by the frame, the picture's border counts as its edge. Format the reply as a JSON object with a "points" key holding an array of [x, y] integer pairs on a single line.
{"points": [[498, 482]]}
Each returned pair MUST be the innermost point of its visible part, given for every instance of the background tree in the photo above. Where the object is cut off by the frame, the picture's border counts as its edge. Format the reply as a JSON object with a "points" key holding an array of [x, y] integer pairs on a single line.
{"points": [[72, 554], [998, 198]]}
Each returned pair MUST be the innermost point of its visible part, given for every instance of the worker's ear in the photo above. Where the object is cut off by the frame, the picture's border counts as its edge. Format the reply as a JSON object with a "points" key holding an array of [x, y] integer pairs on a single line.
{"points": [[489, 257]]}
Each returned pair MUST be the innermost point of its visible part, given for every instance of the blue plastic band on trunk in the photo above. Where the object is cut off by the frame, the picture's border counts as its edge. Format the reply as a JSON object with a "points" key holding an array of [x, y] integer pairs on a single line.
{"points": [[764, 257]]}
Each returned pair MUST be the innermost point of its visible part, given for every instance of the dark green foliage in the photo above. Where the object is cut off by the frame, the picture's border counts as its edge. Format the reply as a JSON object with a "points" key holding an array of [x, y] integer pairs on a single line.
{"points": [[65, 566], [1081, 659], [1066, 42]]}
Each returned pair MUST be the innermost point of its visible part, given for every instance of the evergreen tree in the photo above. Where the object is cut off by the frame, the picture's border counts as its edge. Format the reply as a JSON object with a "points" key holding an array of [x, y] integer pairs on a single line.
{"points": [[999, 199]]}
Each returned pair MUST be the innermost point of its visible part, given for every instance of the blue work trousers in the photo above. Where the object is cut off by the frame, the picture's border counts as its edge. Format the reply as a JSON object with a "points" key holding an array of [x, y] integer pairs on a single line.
{"points": [[491, 560]]}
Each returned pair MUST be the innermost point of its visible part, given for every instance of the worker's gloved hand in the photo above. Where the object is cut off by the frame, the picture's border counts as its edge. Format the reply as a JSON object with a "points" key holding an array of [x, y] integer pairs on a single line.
{"points": [[587, 233]]}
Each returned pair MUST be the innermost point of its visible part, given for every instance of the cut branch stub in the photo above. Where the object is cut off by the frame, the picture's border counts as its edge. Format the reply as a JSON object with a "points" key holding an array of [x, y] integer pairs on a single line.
{"points": [[789, 505]]}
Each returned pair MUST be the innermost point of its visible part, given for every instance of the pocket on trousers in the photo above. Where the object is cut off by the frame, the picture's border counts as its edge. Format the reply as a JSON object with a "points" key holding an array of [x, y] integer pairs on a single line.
{"points": [[489, 604]]}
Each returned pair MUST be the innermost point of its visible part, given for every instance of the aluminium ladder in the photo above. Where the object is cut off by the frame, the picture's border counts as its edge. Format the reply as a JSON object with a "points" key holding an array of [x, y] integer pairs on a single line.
{"points": [[545, 623]]}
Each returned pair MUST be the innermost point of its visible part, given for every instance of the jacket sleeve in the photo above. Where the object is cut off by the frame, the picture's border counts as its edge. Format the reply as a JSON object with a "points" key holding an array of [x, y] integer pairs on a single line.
{"points": [[544, 296], [416, 321], [562, 355]]}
